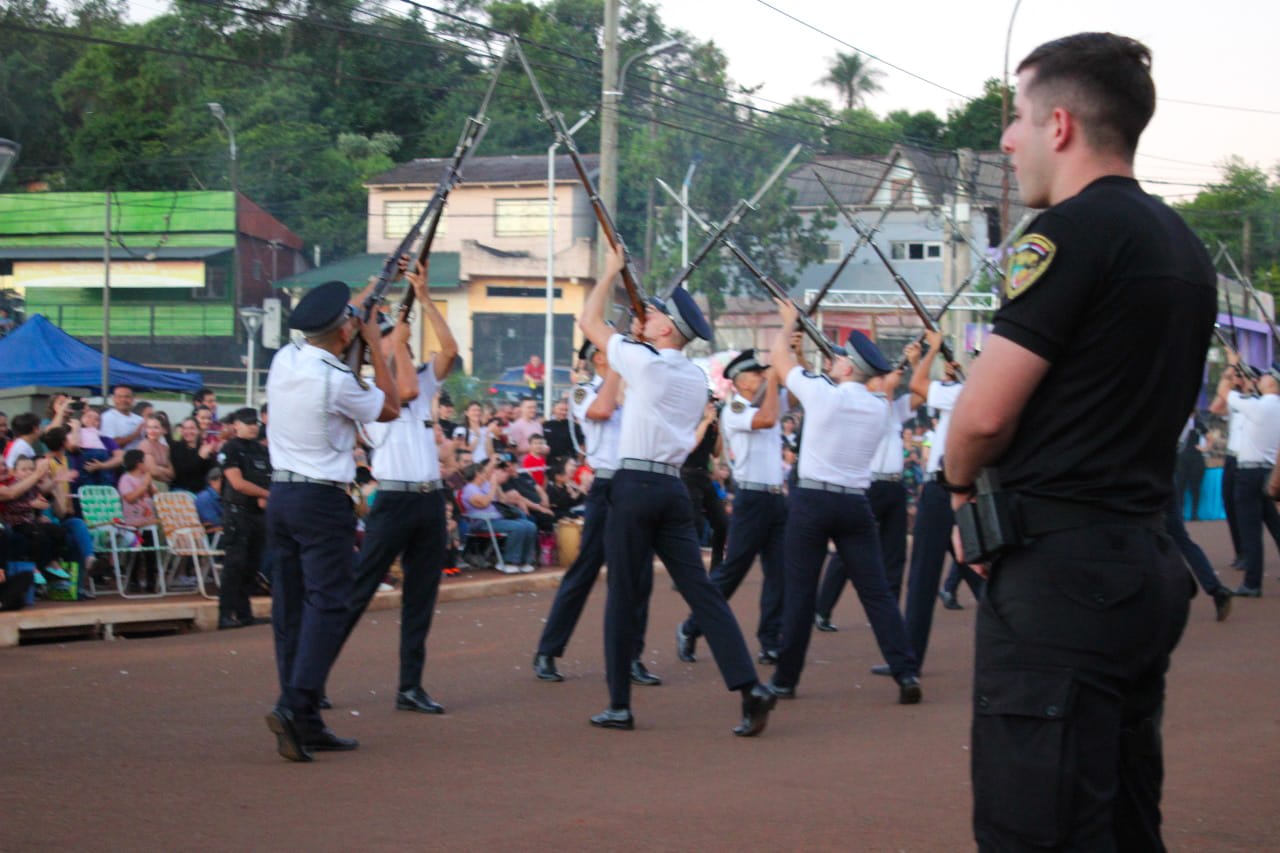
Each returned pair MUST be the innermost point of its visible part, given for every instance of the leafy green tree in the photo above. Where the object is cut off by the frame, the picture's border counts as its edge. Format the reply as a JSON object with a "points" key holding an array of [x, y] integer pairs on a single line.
{"points": [[1245, 203], [853, 77], [976, 124]]}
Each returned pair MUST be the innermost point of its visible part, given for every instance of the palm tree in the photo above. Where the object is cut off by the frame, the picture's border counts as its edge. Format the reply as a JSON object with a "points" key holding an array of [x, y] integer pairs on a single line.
{"points": [[853, 77]]}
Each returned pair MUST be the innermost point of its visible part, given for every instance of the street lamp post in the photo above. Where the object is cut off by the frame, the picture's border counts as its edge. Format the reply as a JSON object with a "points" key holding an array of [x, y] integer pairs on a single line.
{"points": [[9, 151], [252, 320], [548, 353], [221, 115], [1004, 122]]}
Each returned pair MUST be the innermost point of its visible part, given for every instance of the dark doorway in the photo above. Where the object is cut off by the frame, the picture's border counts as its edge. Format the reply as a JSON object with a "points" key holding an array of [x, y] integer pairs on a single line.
{"points": [[500, 341]]}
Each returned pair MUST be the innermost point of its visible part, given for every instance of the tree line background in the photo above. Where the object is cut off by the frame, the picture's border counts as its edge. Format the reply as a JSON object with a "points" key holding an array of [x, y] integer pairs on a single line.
{"points": [[324, 94]]}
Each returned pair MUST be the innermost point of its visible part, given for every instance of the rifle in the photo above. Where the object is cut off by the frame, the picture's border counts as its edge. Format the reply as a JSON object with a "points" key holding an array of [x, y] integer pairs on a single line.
{"points": [[635, 293], [472, 133], [912, 298], [774, 289], [1248, 285], [735, 216]]}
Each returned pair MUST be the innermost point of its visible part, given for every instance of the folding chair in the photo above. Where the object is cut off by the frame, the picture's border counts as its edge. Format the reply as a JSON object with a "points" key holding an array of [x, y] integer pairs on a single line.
{"points": [[102, 509], [472, 534], [186, 539]]}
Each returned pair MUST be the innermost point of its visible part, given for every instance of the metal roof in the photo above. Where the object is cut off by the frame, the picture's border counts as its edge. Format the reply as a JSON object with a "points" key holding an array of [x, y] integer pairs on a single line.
{"points": [[356, 270]]}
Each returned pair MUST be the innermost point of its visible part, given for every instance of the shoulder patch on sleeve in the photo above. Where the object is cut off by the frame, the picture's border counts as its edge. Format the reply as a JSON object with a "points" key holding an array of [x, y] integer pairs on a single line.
{"points": [[1031, 258], [738, 407], [579, 394]]}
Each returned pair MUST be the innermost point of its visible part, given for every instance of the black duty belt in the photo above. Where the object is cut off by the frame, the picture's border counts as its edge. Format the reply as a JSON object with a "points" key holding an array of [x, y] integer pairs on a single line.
{"points": [[409, 486], [822, 486], [651, 467], [294, 477], [1042, 516], [886, 478], [747, 486]]}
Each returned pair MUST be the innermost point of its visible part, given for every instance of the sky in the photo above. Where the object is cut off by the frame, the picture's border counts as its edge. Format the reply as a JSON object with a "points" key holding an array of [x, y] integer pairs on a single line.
{"points": [[1225, 53]]}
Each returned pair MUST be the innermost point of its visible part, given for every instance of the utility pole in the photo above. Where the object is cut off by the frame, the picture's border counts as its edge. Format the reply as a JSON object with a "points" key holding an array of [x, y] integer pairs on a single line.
{"points": [[106, 300], [609, 95]]}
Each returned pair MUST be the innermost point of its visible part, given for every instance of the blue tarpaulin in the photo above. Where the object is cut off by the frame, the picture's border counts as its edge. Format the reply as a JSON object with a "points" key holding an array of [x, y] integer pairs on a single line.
{"points": [[39, 353]]}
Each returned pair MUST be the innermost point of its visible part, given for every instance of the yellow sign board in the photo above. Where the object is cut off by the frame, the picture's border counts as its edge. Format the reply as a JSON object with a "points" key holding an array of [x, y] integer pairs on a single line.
{"points": [[89, 274]]}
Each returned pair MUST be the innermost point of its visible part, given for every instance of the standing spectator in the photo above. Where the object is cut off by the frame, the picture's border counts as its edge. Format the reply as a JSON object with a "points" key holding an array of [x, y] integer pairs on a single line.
{"points": [[191, 457], [100, 456], [156, 450], [246, 467], [525, 426], [26, 431], [209, 502], [205, 398], [535, 371], [560, 442], [535, 462], [119, 423]]}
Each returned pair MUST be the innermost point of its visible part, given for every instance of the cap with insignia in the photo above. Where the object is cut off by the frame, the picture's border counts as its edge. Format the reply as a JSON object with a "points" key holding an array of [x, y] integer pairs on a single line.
{"points": [[743, 362], [322, 310], [685, 314], [865, 355], [247, 415]]}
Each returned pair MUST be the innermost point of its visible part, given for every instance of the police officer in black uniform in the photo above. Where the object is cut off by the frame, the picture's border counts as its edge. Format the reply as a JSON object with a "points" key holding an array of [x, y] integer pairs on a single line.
{"points": [[246, 484], [708, 506], [316, 402], [1076, 406]]}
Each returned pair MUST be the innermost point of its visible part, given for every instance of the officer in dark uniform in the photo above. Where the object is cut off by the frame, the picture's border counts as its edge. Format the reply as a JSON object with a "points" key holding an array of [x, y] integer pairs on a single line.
{"points": [[843, 425], [316, 402], [759, 519], [595, 405], [246, 481], [1076, 405], [649, 508], [695, 473]]}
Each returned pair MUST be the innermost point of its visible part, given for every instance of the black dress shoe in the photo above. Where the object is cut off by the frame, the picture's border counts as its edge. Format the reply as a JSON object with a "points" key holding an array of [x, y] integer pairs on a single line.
{"points": [[228, 623], [1243, 591], [288, 741], [767, 657], [909, 691], [610, 718], [544, 668], [416, 699], [1222, 602], [324, 704], [881, 669], [642, 676], [326, 741], [781, 692], [949, 600], [756, 705], [823, 623], [685, 645]]}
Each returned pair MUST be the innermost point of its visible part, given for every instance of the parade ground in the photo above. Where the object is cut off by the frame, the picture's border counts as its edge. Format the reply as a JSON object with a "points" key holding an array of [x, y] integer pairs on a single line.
{"points": [[159, 743]]}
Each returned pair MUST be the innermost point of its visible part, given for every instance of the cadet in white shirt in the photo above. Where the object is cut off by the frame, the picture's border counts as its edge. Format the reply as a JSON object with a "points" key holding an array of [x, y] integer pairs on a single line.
{"points": [[759, 521], [843, 423], [650, 510], [1242, 382], [316, 403], [408, 515], [596, 408], [887, 495], [1256, 456]]}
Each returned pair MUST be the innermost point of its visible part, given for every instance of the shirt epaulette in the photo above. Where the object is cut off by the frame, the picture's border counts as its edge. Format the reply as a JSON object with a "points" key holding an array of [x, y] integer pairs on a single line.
{"points": [[339, 367], [644, 344]]}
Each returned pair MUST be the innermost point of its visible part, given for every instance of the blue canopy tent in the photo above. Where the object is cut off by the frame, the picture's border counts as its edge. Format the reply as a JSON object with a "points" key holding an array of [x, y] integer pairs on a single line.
{"points": [[39, 353]]}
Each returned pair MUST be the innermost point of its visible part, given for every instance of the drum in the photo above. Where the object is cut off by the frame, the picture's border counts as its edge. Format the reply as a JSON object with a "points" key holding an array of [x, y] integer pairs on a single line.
{"points": [[568, 540]]}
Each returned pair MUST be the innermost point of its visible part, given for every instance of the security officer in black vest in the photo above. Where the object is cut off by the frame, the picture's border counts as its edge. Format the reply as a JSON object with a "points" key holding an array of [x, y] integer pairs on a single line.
{"points": [[316, 402], [1075, 407], [650, 510], [246, 484]]}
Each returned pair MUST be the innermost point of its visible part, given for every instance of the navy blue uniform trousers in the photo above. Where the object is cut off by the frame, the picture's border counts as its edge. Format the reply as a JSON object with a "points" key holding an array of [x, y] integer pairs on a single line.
{"points": [[651, 513], [757, 526], [1192, 553], [413, 525], [888, 500], [1073, 641], [1253, 510], [244, 537], [929, 549], [312, 531], [1229, 468], [580, 577], [815, 518]]}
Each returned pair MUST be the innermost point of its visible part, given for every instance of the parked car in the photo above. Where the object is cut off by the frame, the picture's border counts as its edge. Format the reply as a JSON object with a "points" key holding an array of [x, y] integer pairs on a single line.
{"points": [[510, 384]]}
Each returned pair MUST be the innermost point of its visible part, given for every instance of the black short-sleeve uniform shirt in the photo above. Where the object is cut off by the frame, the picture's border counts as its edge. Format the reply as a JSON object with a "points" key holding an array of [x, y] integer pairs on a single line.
{"points": [[254, 461], [1116, 292]]}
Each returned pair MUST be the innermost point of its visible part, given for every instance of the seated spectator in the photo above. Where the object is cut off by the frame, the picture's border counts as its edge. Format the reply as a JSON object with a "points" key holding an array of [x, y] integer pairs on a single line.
{"points": [[120, 423], [63, 474], [156, 451], [534, 371], [100, 456], [136, 489], [456, 478], [191, 458], [213, 432], [22, 510], [565, 496], [522, 493], [209, 501], [535, 462], [479, 501], [26, 435]]}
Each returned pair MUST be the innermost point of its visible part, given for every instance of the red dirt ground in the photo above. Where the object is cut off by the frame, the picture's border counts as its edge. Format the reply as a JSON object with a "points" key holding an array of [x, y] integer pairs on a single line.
{"points": [[159, 743]]}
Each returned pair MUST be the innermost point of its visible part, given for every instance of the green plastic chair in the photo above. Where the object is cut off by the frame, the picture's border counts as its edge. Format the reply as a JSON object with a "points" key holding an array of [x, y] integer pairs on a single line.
{"points": [[103, 510]]}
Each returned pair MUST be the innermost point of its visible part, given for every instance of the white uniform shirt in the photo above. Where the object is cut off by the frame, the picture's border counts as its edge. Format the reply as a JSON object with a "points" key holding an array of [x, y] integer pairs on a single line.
{"points": [[1235, 432], [757, 453], [1259, 425], [599, 438], [115, 424], [942, 396], [315, 404], [842, 426], [405, 449], [666, 395], [888, 455]]}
